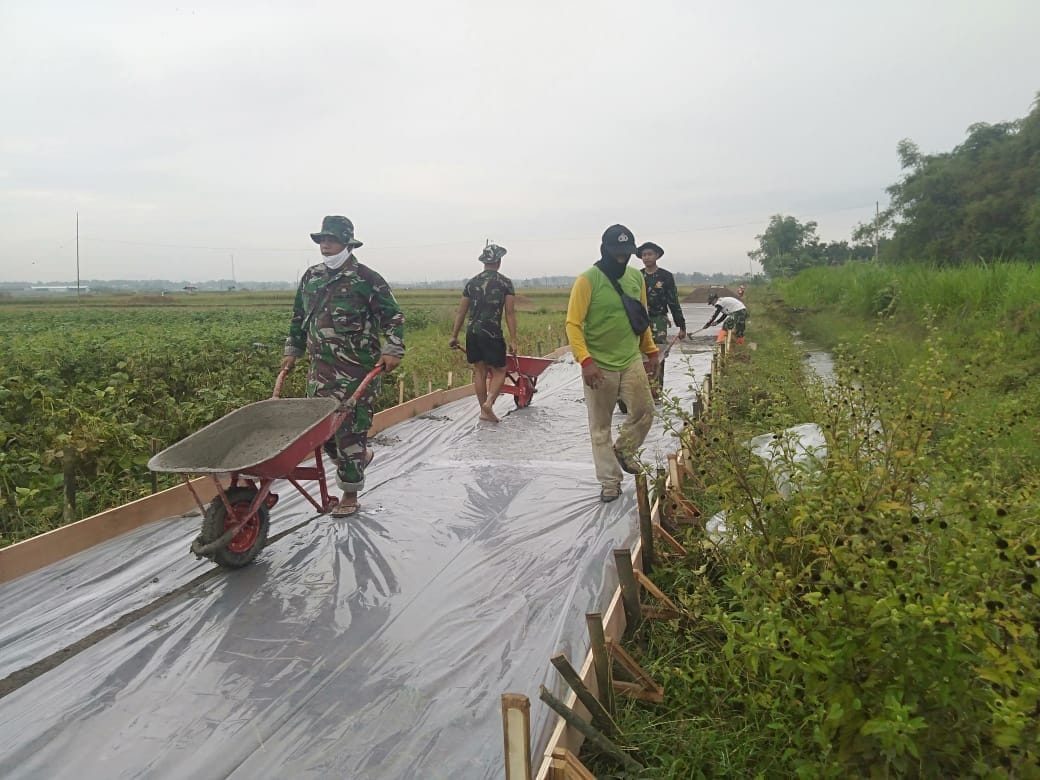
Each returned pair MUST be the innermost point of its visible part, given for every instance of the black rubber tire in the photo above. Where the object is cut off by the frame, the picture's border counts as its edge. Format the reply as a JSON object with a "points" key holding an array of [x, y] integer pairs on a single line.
{"points": [[213, 528]]}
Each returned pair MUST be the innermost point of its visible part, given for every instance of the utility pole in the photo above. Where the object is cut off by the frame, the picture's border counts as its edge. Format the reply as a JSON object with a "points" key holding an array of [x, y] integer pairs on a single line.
{"points": [[77, 257], [233, 282], [877, 231]]}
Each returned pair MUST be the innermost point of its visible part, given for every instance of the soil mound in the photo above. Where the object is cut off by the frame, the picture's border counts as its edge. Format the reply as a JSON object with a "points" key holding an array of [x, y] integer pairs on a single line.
{"points": [[700, 294]]}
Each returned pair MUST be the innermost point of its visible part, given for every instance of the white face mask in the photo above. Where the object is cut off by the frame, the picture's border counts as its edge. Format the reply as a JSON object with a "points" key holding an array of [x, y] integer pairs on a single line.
{"points": [[335, 261]]}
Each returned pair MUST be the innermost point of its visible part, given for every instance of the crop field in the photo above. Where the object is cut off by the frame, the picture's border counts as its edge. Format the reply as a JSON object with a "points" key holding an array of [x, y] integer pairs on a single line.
{"points": [[90, 390]]}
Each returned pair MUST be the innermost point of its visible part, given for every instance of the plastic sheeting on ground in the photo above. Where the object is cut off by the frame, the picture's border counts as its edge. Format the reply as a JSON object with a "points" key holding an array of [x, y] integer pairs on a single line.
{"points": [[374, 646]]}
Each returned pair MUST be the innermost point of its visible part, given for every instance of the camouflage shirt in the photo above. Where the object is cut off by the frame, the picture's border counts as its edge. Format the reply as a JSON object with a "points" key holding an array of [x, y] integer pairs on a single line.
{"points": [[662, 295], [339, 316], [487, 293]]}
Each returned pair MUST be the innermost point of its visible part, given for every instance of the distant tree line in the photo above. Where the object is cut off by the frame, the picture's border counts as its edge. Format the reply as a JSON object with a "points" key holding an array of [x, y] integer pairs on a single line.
{"points": [[979, 201]]}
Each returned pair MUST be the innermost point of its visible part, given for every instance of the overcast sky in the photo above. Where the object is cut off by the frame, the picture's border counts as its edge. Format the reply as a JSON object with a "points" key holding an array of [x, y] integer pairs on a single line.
{"points": [[184, 133]]}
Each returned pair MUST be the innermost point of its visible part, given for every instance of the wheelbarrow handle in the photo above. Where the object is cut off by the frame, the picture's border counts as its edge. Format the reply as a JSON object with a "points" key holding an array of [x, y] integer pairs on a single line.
{"points": [[668, 348], [351, 402], [279, 382]]}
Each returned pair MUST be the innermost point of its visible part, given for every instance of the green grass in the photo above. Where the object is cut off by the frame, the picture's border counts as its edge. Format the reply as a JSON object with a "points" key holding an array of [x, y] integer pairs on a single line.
{"points": [[882, 620]]}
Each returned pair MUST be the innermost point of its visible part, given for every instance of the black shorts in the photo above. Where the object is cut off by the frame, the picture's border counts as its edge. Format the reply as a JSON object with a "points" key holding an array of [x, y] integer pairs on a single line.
{"points": [[481, 348]]}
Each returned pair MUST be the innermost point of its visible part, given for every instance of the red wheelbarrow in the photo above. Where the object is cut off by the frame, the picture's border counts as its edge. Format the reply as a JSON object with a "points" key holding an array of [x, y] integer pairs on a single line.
{"points": [[523, 372], [256, 445]]}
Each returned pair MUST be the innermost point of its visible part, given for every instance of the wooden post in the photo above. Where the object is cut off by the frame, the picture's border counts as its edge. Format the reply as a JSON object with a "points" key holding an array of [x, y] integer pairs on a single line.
{"points": [[597, 739], [516, 733], [429, 386], [629, 591], [450, 383], [697, 409], [400, 392], [540, 352], [68, 463], [153, 476], [673, 471], [600, 717], [600, 659], [646, 531]]}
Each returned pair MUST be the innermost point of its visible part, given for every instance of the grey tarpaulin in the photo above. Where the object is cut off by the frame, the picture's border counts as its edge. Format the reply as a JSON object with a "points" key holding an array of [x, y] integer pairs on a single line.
{"points": [[374, 646]]}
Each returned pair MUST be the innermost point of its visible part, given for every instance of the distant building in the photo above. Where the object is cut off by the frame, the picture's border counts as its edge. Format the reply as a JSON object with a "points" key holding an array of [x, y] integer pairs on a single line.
{"points": [[59, 288], [191, 288]]}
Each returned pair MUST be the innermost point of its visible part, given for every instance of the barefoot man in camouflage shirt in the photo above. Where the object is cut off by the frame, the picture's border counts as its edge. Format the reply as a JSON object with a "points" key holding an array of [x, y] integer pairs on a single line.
{"points": [[486, 296], [342, 309]]}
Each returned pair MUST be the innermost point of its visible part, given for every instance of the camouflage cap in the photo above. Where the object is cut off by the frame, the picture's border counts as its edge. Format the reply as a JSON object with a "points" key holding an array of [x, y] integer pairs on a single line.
{"points": [[492, 253], [339, 228]]}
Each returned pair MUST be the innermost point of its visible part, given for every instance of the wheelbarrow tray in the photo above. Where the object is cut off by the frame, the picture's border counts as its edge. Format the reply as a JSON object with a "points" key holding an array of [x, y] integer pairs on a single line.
{"points": [[527, 365], [266, 439]]}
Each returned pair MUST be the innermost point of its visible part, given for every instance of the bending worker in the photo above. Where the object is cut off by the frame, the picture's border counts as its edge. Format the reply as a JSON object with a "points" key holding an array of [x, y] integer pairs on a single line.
{"points": [[731, 312]]}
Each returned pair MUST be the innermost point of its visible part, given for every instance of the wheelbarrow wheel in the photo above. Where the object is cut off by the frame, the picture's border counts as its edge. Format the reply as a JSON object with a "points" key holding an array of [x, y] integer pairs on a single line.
{"points": [[251, 537], [524, 392]]}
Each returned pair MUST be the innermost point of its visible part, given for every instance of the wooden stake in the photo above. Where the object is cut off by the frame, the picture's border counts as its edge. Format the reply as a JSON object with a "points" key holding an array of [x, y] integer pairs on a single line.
{"points": [[680, 509], [669, 540], [629, 591], [68, 463], [516, 733], [400, 392], [673, 471], [153, 477], [646, 531], [670, 611], [597, 739], [645, 687], [564, 765], [600, 717], [429, 386], [600, 659], [450, 383]]}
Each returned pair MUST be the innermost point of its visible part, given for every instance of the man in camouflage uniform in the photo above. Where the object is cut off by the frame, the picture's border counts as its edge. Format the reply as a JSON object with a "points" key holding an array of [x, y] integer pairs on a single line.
{"points": [[661, 296], [485, 297], [729, 311], [342, 308]]}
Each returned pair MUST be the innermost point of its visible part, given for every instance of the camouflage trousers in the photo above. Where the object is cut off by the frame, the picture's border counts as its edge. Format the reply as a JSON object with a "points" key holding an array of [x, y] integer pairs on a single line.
{"points": [[659, 330], [736, 322], [349, 444]]}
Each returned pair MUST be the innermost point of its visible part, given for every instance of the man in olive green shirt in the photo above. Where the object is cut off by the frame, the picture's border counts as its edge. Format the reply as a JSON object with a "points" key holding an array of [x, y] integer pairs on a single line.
{"points": [[611, 356]]}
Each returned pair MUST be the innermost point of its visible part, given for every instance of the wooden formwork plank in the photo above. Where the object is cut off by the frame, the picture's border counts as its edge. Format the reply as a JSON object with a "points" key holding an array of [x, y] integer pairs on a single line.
{"points": [[50, 547]]}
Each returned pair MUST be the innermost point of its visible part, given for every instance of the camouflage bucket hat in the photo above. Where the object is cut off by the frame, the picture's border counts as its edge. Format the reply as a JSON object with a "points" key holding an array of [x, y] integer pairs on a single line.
{"points": [[339, 228], [492, 253]]}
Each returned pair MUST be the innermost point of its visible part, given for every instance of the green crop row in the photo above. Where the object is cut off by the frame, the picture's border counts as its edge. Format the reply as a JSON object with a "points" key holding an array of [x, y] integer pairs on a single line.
{"points": [[88, 393]]}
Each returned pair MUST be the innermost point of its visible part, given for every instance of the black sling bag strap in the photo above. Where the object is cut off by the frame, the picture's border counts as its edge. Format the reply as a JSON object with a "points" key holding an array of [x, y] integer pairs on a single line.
{"points": [[637, 315]]}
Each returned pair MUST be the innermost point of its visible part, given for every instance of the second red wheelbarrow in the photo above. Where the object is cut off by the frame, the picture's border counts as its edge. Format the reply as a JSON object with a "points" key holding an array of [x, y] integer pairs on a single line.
{"points": [[523, 372]]}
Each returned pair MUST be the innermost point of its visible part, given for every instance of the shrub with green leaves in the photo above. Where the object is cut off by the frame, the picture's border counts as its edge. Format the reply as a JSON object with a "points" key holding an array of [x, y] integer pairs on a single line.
{"points": [[882, 619]]}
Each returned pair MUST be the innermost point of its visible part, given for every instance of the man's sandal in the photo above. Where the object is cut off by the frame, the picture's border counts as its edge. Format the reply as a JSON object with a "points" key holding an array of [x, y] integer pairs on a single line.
{"points": [[345, 507]]}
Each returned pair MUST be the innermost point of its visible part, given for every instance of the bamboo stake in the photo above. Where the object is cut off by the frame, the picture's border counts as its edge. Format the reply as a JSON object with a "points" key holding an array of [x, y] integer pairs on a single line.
{"points": [[646, 531], [629, 591], [597, 739], [516, 734], [600, 717], [600, 659]]}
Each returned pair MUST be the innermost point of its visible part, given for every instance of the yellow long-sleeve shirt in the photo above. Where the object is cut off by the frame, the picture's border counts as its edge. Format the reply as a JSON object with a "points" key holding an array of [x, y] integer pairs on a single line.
{"points": [[597, 325]]}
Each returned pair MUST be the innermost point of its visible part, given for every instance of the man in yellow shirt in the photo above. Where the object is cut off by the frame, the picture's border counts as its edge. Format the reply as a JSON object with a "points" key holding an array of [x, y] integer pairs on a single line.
{"points": [[604, 341]]}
